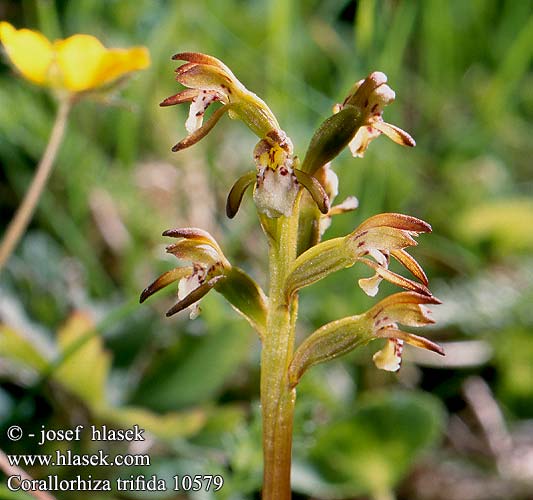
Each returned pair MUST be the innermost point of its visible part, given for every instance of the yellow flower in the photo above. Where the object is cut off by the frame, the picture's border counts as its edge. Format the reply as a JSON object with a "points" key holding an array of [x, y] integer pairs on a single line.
{"points": [[76, 64]]}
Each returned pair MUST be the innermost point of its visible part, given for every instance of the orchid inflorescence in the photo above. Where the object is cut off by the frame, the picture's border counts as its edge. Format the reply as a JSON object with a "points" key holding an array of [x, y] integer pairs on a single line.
{"points": [[294, 205], [278, 180]]}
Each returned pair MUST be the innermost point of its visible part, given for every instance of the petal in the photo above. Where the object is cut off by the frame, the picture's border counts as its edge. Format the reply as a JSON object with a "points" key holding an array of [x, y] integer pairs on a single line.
{"points": [[349, 204], [202, 77], [397, 221], [79, 58], [390, 357], [364, 136], [203, 130], [412, 339], [370, 285], [197, 110], [85, 63], [396, 278], [194, 296], [315, 189], [237, 192], [395, 133], [411, 264], [30, 52], [407, 298], [193, 251], [118, 62], [186, 95], [164, 280]]}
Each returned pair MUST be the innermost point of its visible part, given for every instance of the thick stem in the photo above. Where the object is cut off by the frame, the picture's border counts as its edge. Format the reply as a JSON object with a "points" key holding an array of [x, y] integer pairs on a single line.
{"points": [[22, 217], [277, 399]]}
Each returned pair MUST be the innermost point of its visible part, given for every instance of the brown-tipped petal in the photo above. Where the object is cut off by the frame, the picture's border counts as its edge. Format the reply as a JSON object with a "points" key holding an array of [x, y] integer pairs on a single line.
{"points": [[186, 95], [410, 338], [194, 296], [315, 189], [404, 314], [395, 133], [398, 221], [199, 58], [202, 131], [164, 280], [192, 233], [381, 238], [184, 68], [396, 279], [204, 77], [411, 264], [194, 252], [406, 298], [237, 192]]}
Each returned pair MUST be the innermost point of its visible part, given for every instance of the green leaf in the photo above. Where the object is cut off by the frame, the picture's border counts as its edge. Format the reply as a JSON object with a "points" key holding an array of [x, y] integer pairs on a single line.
{"points": [[371, 451], [85, 369], [196, 369], [168, 426], [16, 346]]}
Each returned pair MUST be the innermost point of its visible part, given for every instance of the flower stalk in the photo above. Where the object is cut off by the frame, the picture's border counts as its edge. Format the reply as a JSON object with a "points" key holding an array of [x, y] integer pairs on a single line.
{"points": [[293, 203], [277, 396], [24, 213]]}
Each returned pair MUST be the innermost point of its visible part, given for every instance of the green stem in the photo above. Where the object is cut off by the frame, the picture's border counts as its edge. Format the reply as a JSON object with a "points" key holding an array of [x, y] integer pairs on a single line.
{"points": [[277, 399], [24, 213]]}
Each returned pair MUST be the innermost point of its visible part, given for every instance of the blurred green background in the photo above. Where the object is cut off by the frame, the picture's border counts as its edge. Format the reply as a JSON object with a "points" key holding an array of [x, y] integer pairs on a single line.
{"points": [[76, 348]]}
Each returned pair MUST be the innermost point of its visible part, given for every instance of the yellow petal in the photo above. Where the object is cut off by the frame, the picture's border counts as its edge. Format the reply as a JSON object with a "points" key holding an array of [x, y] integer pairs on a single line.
{"points": [[118, 62], [30, 52], [79, 58]]}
